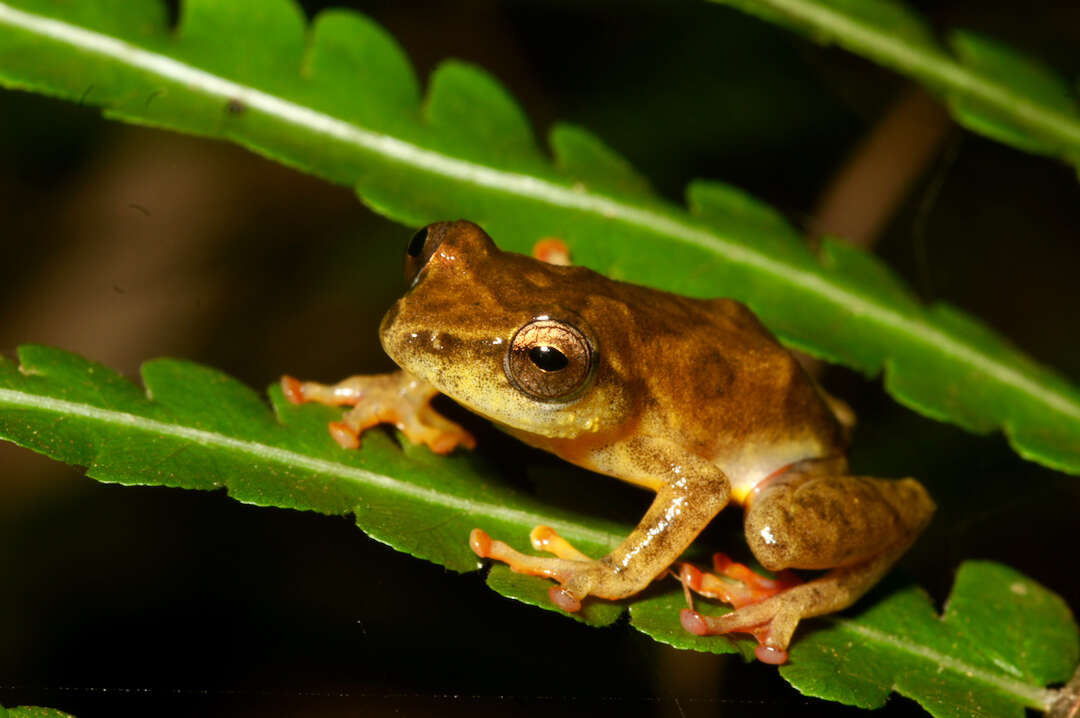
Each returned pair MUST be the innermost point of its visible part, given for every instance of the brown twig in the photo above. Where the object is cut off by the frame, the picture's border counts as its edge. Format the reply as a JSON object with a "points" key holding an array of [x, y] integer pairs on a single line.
{"points": [[1067, 704], [865, 193]]}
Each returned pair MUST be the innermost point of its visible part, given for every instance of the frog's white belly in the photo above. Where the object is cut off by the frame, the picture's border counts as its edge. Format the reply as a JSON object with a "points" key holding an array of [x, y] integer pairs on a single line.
{"points": [[750, 466]]}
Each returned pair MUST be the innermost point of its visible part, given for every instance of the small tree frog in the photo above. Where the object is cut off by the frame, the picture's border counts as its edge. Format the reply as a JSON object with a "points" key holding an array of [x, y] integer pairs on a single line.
{"points": [[691, 399]]}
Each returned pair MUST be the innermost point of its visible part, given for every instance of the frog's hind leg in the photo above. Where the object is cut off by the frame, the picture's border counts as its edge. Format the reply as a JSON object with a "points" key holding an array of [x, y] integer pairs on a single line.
{"points": [[397, 398], [734, 583], [857, 526]]}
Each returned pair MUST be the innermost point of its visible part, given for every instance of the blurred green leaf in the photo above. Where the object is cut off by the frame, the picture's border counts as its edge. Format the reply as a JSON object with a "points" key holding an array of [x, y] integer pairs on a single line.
{"points": [[33, 712], [991, 89], [343, 104], [1024, 77]]}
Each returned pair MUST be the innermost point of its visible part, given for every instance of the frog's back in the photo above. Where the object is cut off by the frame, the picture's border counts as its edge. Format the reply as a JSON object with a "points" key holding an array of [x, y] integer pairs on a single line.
{"points": [[704, 374], [712, 378]]}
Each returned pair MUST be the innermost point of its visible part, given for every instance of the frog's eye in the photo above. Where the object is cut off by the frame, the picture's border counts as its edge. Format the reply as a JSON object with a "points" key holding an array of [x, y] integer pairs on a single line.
{"points": [[416, 244], [549, 360], [422, 245]]}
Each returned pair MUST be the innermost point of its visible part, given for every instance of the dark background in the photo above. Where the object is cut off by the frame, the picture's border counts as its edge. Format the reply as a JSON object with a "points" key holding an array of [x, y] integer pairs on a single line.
{"points": [[125, 244]]}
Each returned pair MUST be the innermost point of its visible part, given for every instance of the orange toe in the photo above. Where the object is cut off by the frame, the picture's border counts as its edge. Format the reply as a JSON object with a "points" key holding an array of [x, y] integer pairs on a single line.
{"points": [[770, 655], [293, 389], [564, 599], [344, 435], [553, 251], [693, 622], [480, 543]]}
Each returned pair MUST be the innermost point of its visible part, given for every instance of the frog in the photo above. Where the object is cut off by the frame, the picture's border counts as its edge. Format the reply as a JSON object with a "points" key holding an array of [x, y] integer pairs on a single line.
{"points": [[692, 399]]}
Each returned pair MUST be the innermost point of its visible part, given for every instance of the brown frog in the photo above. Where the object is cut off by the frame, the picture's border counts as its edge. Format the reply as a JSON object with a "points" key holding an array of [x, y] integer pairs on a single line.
{"points": [[692, 399]]}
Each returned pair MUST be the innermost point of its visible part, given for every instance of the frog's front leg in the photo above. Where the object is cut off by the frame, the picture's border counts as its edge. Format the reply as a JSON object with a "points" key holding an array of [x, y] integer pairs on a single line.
{"points": [[689, 493], [398, 398], [857, 526]]}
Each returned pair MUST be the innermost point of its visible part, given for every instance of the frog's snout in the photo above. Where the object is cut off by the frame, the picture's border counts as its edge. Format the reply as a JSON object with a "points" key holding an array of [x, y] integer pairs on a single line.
{"points": [[386, 328]]}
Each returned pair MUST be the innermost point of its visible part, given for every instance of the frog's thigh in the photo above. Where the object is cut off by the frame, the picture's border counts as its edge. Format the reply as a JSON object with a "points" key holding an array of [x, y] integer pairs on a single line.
{"points": [[815, 522], [858, 526]]}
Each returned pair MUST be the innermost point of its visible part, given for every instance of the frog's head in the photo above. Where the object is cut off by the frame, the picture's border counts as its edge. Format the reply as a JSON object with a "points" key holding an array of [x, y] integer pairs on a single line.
{"points": [[501, 333]]}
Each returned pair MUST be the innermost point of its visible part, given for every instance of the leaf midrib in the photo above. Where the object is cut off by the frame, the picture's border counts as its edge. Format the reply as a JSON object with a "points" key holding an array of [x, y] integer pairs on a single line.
{"points": [[540, 190], [284, 457], [1030, 695]]}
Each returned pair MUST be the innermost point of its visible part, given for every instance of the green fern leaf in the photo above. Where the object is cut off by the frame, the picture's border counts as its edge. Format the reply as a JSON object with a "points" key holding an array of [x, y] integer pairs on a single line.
{"points": [[990, 88], [1002, 640], [585, 159], [196, 428], [1024, 77], [32, 712], [344, 104]]}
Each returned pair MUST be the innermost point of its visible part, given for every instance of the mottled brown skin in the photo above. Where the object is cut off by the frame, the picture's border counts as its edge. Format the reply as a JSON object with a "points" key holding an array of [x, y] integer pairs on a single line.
{"points": [[693, 399], [705, 373]]}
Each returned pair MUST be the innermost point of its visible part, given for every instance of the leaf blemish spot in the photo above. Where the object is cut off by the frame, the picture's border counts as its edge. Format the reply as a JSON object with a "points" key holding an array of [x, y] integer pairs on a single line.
{"points": [[155, 93], [1018, 588]]}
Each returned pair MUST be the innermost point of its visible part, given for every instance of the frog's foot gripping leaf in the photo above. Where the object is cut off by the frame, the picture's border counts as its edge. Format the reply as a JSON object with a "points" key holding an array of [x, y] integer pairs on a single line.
{"points": [[397, 398], [739, 586], [570, 567]]}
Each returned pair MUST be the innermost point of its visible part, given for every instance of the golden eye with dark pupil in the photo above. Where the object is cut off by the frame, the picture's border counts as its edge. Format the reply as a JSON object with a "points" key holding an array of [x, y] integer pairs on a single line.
{"points": [[416, 244], [549, 360], [421, 248]]}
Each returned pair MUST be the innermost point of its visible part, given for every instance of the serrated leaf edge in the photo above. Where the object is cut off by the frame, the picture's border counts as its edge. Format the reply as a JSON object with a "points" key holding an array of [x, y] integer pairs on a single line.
{"points": [[1031, 696], [265, 452], [939, 70], [537, 189]]}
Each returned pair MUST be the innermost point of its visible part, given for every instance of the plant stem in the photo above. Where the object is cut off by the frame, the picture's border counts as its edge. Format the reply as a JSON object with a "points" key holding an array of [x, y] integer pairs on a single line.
{"points": [[1067, 704]]}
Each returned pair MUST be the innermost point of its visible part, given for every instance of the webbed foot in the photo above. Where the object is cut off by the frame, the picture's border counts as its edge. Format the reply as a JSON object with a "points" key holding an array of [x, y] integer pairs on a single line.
{"points": [[771, 622], [737, 584], [578, 575], [741, 587], [397, 398]]}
